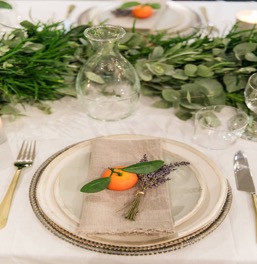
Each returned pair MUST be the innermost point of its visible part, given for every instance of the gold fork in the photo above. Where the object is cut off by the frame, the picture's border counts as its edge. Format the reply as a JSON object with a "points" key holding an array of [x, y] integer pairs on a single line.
{"points": [[25, 158]]}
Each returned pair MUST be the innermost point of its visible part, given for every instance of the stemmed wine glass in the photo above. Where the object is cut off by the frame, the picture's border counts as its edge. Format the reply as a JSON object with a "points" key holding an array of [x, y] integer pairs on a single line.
{"points": [[250, 94]]}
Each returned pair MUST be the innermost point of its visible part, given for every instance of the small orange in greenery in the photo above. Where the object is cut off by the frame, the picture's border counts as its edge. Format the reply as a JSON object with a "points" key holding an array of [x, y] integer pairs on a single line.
{"points": [[142, 11], [120, 180]]}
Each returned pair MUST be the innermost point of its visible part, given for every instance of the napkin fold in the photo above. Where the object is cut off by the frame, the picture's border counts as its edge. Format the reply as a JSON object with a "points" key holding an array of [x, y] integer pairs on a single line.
{"points": [[103, 212]]}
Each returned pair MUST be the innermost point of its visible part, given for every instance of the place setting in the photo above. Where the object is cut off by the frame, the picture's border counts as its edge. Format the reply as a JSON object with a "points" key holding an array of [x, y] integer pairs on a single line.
{"points": [[197, 198], [115, 190], [171, 17]]}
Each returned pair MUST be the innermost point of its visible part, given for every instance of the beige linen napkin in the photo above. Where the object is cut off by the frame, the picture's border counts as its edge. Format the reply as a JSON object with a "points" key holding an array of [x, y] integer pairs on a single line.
{"points": [[102, 212]]}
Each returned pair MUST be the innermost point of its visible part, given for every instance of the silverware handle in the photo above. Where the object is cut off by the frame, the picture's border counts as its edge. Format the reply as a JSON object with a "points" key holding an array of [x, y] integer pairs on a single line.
{"points": [[254, 198], [6, 203], [204, 14]]}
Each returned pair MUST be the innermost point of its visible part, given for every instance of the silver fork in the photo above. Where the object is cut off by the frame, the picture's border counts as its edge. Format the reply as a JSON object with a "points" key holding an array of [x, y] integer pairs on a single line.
{"points": [[25, 158]]}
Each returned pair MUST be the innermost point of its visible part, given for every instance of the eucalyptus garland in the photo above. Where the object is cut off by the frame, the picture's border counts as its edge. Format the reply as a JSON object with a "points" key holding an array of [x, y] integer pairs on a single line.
{"points": [[188, 73], [39, 62]]}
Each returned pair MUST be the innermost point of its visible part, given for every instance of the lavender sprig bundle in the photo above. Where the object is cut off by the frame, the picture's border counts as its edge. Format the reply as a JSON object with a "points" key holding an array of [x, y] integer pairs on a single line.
{"points": [[148, 181]]}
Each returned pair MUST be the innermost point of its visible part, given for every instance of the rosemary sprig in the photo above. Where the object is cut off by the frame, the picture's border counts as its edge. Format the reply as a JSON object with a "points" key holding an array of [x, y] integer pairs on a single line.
{"points": [[37, 63]]}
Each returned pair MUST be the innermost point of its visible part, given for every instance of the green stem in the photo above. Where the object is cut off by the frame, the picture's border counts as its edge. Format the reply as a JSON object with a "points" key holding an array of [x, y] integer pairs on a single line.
{"points": [[114, 171], [134, 206]]}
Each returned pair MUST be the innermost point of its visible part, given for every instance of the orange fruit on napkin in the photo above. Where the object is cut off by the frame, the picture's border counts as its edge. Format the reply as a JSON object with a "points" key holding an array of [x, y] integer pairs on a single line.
{"points": [[121, 180], [142, 11]]}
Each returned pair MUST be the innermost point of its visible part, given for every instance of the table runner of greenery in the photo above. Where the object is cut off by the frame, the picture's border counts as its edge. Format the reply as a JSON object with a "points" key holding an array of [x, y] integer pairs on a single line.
{"points": [[39, 62]]}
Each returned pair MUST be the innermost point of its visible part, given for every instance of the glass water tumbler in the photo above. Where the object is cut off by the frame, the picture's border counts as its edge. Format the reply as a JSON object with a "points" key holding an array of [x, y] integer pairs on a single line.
{"points": [[107, 84]]}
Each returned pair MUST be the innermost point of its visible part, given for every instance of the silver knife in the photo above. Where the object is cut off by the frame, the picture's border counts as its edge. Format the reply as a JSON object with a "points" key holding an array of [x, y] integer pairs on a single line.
{"points": [[244, 180]]}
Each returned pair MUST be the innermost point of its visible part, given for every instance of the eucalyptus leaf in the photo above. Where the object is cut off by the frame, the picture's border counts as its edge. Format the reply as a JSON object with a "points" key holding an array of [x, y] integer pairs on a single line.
{"points": [[156, 68], [96, 185], [94, 77], [169, 69], [242, 49], [159, 69], [190, 70], [156, 53], [193, 92], [144, 167], [218, 99], [126, 38], [183, 114], [134, 52], [213, 86], [179, 74], [148, 91], [171, 95], [204, 71], [135, 40], [246, 70], [217, 51], [191, 106], [143, 71], [251, 57], [162, 104], [234, 82], [213, 90]]}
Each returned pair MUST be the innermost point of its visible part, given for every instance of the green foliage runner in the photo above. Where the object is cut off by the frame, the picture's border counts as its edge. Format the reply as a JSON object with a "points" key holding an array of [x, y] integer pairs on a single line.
{"points": [[39, 62]]}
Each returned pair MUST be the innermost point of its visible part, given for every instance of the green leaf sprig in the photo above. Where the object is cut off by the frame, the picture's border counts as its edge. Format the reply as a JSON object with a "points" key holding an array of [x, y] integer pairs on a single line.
{"points": [[128, 5], [138, 168], [5, 5]]}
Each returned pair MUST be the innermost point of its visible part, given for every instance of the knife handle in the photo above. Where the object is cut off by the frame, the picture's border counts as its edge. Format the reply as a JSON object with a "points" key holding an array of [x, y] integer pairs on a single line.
{"points": [[254, 198]]}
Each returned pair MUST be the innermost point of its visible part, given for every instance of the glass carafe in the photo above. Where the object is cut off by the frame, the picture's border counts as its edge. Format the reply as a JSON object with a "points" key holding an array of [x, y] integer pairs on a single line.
{"points": [[107, 85]]}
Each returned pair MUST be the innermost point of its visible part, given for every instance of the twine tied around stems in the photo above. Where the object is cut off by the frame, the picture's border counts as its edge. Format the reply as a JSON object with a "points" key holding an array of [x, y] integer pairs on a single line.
{"points": [[134, 206]]}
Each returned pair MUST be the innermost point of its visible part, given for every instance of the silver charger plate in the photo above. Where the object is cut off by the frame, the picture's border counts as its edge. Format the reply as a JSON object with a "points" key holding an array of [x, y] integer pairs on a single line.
{"points": [[195, 224]]}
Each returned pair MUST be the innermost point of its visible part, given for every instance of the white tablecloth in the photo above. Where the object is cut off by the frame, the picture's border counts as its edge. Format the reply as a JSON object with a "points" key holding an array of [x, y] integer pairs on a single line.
{"points": [[25, 240]]}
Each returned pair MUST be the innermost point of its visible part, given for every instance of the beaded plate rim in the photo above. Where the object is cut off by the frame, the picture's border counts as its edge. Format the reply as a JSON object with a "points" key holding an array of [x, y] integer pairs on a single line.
{"points": [[114, 249]]}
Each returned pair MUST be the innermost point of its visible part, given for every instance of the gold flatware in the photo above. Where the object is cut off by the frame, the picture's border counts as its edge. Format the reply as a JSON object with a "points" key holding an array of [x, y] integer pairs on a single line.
{"points": [[25, 158]]}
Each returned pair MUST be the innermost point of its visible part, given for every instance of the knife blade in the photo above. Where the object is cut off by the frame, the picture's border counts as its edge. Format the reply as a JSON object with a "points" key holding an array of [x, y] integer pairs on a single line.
{"points": [[244, 180]]}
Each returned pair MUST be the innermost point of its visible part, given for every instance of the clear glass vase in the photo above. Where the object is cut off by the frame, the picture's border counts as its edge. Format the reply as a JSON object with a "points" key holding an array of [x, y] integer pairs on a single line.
{"points": [[107, 84]]}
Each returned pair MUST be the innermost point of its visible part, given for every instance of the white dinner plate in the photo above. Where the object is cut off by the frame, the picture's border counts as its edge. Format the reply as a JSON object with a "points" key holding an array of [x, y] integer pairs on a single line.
{"points": [[198, 192], [175, 18]]}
